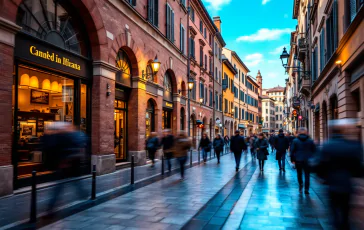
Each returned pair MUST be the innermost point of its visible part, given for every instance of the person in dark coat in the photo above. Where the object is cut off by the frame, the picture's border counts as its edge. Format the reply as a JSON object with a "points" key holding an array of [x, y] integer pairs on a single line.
{"points": [[302, 149], [271, 141], [218, 145], [340, 161], [237, 145], [281, 144], [168, 142], [262, 150], [204, 146], [180, 150], [152, 145]]}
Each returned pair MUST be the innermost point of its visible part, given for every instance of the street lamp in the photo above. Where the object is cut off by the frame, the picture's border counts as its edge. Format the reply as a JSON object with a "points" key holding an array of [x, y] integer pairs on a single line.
{"points": [[284, 57], [190, 84], [155, 65]]}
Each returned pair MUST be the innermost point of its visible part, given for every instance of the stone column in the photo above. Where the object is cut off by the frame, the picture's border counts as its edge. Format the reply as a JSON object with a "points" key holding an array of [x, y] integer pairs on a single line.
{"points": [[7, 41], [102, 136], [346, 103]]}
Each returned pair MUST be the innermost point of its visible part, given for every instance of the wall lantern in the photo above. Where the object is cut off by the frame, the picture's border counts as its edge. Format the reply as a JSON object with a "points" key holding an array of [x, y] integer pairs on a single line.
{"points": [[284, 57], [155, 64]]}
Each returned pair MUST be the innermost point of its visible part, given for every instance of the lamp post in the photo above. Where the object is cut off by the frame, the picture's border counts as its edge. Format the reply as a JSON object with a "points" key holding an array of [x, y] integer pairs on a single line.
{"points": [[190, 82]]}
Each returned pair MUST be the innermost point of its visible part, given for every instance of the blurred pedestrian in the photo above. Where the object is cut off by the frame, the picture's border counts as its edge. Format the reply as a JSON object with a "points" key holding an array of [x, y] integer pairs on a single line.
{"points": [[64, 145], [204, 146], [237, 145], [180, 150], [281, 144], [272, 141], [252, 141], [218, 145], [168, 142], [152, 146], [340, 161], [227, 141], [302, 149], [262, 150]]}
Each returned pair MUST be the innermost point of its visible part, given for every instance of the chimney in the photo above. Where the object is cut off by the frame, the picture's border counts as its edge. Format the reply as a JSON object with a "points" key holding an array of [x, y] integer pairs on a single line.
{"points": [[217, 22]]}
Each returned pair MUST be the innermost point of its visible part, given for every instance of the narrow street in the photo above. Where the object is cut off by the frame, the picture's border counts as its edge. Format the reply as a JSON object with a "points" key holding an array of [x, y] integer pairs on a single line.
{"points": [[211, 197]]}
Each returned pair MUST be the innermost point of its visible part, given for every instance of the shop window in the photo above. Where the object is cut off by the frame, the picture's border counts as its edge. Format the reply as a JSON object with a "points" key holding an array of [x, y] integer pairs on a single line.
{"points": [[167, 84], [44, 99], [123, 76], [183, 118], [49, 20]]}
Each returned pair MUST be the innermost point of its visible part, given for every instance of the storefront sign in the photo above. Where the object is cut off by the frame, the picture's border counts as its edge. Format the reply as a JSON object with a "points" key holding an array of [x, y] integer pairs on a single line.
{"points": [[167, 104], [42, 53], [296, 102]]}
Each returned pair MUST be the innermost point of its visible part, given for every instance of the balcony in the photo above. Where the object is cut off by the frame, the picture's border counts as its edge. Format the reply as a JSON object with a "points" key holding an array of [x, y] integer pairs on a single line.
{"points": [[304, 85], [302, 48]]}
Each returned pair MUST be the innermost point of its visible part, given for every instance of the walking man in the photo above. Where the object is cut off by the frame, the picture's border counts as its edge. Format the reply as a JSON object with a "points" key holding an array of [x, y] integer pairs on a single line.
{"points": [[271, 141], [281, 144], [237, 145], [167, 142], [302, 150]]}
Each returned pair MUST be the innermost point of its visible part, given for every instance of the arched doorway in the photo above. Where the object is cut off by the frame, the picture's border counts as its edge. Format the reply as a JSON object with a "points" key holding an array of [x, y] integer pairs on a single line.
{"points": [[167, 112], [324, 121], [182, 119], [150, 118]]}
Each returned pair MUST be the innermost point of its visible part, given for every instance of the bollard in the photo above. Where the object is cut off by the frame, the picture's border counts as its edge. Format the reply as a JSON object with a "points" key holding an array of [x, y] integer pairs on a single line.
{"points": [[93, 189], [198, 157], [33, 201], [190, 157], [132, 170], [163, 164]]}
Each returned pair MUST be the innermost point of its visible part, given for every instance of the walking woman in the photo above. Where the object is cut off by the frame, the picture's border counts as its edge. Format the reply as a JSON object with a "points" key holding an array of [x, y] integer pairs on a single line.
{"points": [[204, 146], [218, 145], [262, 150], [152, 146], [181, 147]]}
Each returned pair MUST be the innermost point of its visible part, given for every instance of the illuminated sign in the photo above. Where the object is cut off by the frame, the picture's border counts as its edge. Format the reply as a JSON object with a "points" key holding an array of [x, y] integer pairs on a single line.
{"points": [[53, 57], [167, 105]]}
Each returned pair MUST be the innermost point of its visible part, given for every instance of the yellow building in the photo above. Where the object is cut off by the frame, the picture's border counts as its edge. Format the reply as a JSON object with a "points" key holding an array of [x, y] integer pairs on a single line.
{"points": [[228, 96]]}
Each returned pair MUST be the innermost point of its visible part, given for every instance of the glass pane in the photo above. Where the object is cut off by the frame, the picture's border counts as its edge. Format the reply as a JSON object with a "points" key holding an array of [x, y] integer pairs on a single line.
{"points": [[43, 100], [83, 107]]}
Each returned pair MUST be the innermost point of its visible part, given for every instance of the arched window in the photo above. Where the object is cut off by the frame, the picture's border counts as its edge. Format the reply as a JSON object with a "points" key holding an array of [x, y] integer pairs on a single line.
{"points": [[123, 76], [167, 85], [54, 22]]}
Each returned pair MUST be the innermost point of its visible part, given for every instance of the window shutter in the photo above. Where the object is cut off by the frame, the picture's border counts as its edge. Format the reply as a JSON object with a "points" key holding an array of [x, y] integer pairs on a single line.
{"points": [[322, 49], [172, 25], [168, 16], [150, 11], [133, 2], [352, 9], [156, 13], [335, 24]]}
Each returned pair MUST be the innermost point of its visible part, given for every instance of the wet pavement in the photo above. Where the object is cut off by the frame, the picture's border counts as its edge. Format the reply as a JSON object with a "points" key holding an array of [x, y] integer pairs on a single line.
{"points": [[213, 196]]}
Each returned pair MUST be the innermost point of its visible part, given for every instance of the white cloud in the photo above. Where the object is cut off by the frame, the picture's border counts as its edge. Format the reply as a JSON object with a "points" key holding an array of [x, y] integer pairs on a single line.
{"points": [[253, 59], [279, 49], [272, 75], [216, 4], [265, 2], [264, 34]]}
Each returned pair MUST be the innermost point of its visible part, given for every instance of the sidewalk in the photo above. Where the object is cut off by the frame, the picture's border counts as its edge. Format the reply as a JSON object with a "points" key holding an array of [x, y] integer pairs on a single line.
{"points": [[166, 204], [11, 213]]}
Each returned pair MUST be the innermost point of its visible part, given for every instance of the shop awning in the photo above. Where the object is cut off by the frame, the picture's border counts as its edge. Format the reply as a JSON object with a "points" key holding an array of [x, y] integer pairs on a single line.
{"points": [[199, 122], [241, 126]]}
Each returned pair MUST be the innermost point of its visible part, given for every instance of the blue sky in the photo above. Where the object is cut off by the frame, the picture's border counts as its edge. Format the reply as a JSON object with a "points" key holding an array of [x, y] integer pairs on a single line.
{"points": [[257, 30]]}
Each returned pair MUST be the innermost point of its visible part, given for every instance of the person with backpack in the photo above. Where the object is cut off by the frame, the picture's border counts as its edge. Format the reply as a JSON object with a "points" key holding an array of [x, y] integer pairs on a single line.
{"points": [[204, 146], [281, 144], [152, 146], [302, 149], [218, 145]]}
